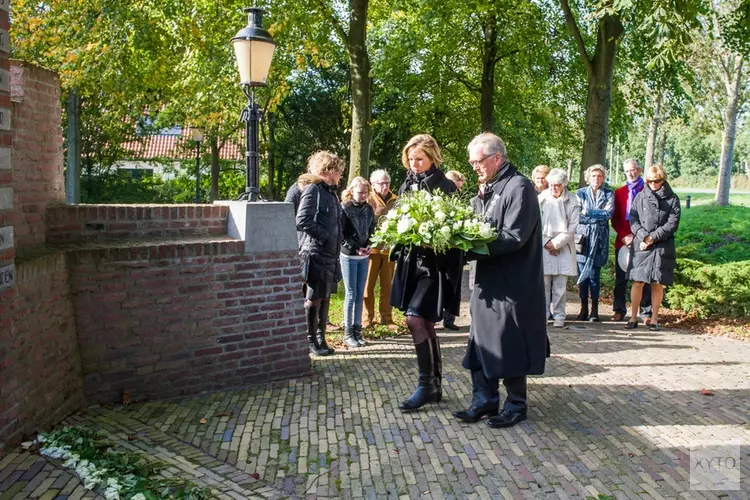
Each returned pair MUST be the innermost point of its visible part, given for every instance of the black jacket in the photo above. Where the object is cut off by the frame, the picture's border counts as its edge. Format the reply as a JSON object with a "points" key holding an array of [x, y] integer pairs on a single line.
{"points": [[358, 224], [423, 281], [431, 180], [508, 336], [319, 219], [654, 213]]}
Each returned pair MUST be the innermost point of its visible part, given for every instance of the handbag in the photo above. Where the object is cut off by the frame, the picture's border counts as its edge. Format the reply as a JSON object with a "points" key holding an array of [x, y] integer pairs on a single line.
{"points": [[581, 243]]}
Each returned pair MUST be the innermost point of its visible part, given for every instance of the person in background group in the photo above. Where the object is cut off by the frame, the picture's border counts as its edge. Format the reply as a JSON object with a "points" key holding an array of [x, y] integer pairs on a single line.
{"points": [[508, 337], [624, 197], [425, 283], [319, 221], [654, 219], [560, 213], [597, 204], [380, 267], [539, 177], [457, 177], [358, 224]]}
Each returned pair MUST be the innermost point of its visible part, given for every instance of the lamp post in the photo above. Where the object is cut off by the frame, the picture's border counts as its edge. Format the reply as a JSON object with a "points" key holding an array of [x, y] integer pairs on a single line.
{"points": [[253, 48], [196, 134]]}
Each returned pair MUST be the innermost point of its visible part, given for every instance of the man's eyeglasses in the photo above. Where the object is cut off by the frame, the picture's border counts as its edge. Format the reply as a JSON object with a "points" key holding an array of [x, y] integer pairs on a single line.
{"points": [[475, 163], [383, 183]]}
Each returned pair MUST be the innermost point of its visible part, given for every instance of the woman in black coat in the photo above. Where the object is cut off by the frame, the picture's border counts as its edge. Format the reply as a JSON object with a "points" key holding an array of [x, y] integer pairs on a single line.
{"points": [[654, 218], [425, 283], [319, 222]]}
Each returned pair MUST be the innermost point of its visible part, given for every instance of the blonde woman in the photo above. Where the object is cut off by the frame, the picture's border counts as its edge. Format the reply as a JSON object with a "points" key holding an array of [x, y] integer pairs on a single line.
{"points": [[358, 224], [654, 219], [560, 212], [539, 177], [423, 284]]}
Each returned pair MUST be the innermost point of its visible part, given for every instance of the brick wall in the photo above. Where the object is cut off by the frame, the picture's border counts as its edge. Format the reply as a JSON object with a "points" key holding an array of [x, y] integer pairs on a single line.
{"points": [[40, 381], [198, 317], [37, 149], [78, 223]]}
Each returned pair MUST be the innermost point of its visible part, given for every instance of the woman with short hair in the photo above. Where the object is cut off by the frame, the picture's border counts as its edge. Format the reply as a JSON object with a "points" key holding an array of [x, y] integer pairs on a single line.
{"points": [[654, 219], [539, 177], [592, 238], [560, 213], [319, 222]]}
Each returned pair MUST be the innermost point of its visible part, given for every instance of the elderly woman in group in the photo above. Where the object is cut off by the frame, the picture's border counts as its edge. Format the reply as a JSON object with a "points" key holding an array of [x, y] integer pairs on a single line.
{"points": [[592, 238], [654, 218], [560, 213], [425, 283]]}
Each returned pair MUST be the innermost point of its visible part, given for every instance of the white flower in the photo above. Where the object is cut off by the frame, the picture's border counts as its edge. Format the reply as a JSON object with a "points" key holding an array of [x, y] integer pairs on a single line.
{"points": [[440, 216], [425, 229], [445, 231], [404, 224], [392, 214], [139, 496], [485, 230]]}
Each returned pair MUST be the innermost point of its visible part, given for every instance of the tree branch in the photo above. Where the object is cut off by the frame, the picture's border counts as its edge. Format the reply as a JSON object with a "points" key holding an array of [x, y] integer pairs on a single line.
{"points": [[463, 79], [337, 27], [576, 34], [507, 54]]}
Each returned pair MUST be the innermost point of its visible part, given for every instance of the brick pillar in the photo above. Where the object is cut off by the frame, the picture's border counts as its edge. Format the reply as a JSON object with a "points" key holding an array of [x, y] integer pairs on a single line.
{"points": [[8, 290]]}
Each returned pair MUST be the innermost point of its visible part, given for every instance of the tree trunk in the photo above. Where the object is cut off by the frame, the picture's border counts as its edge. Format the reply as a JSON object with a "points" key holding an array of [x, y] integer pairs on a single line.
{"points": [[732, 83], [599, 98], [271, 156], [662, 145], [653, 130], [215, 167], [489, 61], [359, 63]]}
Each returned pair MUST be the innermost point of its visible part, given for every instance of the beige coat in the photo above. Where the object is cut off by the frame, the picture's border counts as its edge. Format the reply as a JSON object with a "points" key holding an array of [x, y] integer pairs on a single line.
{"points": [[564, 263]]}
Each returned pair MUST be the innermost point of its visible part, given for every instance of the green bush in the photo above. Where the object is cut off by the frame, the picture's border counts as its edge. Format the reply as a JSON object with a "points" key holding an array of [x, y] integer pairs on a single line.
{"points": [[711, 290]]}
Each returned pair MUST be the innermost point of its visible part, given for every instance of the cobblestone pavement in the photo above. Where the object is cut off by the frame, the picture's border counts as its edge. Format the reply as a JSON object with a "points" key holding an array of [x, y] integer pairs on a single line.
{"points": [[615, 414]]}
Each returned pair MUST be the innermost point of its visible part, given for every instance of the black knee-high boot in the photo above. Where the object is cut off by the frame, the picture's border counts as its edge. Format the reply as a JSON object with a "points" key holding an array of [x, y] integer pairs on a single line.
{"points": [[312, 316], [594, 317], [583, 314], [438, 367], [426, 391], [325, 304]]}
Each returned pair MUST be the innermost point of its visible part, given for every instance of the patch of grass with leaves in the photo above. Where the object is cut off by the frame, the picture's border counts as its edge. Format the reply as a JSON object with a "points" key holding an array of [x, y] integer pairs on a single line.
{"points": [[122, 474]]}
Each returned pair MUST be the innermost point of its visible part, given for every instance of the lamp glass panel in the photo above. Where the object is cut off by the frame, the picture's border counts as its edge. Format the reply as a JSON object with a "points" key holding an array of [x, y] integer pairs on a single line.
{"points": [[253, 60]]}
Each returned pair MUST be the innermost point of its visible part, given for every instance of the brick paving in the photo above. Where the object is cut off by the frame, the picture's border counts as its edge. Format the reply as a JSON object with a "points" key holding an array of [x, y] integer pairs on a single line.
{"points": [[615, 414]]}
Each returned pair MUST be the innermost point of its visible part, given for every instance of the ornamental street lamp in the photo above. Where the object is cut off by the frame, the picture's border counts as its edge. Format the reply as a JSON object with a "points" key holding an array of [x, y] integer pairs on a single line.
{"points": [[196, 134], [253, 48]]}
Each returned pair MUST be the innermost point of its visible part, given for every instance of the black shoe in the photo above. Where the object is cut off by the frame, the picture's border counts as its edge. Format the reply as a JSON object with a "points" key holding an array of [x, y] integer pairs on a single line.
{"points": [[506, 419], [475, 413], [632, 325], [451, 326], [321, 338], [654, 327], [594, 317], [315, 348]]}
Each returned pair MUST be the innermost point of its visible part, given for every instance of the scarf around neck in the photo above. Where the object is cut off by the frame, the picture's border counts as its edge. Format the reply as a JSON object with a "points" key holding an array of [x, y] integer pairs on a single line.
{"points": [[634, 188]]}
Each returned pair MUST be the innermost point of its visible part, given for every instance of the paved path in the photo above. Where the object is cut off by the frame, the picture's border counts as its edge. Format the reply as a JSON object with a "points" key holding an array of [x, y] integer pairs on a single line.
{"points": [[615, 414]]}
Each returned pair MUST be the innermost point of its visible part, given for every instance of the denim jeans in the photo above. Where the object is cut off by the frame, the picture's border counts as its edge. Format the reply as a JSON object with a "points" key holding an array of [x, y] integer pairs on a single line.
{"points": [[354, 272], [589, 284]]}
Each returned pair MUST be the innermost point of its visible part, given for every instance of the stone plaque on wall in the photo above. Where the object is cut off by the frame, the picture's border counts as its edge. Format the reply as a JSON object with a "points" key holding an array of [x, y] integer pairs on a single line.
{"points": [[4, 80], [4, 119], [5, 5], [4, 41], [6, 198], [7, 276], [5, 154], [6, 237]]}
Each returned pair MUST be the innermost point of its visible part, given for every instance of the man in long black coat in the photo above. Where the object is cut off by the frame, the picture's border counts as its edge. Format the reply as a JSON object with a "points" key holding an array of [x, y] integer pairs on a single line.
{"points": [[508, 337]]}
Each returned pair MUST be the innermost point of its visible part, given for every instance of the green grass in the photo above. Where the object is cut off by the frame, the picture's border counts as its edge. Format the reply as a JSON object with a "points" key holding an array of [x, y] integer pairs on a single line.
{"points": [[336, 316], [700, 199], [714, 235]]}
